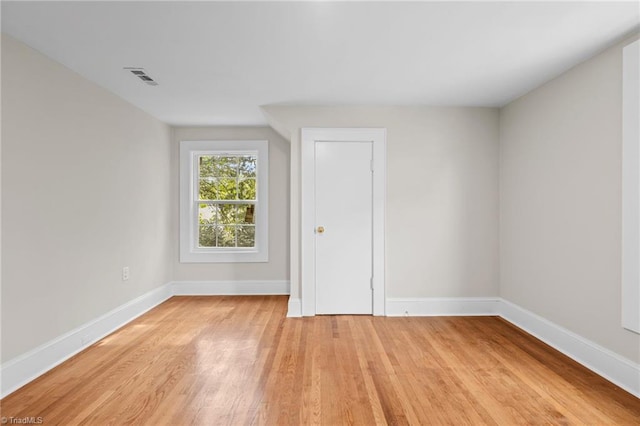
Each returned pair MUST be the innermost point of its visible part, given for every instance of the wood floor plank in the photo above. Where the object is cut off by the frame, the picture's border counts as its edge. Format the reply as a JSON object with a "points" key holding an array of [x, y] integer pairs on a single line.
{"points": [[239, 361]]}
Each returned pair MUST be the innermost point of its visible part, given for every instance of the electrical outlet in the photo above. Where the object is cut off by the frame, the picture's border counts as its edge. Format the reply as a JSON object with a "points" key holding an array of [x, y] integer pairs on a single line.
{"points": [[125, 273]]}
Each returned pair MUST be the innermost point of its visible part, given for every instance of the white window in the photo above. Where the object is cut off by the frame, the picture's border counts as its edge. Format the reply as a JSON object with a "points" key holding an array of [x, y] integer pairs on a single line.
{"points": [[223, 201]]}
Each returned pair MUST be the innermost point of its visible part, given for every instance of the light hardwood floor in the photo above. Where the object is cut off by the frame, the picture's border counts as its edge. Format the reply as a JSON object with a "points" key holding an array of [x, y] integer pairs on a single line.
{"points": [[238, 360]]}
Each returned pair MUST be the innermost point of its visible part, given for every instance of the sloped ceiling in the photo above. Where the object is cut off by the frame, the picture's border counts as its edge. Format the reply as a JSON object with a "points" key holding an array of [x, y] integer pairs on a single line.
{"points": [[216, 63]]}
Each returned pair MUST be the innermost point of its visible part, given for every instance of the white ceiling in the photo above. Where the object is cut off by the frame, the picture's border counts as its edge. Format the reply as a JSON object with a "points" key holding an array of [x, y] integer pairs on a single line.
{"points": [[217, 62]]}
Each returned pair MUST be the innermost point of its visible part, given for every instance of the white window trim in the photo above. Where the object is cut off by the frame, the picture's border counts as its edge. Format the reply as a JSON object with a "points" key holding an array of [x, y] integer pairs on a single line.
{"points": [[189, 251]]}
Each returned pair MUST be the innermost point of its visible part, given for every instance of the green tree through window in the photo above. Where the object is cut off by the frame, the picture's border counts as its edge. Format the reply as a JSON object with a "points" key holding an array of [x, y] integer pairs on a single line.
{"points": [[227, 197]]}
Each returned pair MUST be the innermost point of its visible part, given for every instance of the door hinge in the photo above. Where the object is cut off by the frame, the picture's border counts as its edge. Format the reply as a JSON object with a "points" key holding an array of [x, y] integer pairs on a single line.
{"points": [[371, 164], [371, 283]]}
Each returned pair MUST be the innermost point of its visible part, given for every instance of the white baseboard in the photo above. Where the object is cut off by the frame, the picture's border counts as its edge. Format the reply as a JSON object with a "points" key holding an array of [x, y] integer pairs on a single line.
{"points": [[443, 306], [21, 370], [25, 368], [618, 370], [228, 288], [295, 308]]}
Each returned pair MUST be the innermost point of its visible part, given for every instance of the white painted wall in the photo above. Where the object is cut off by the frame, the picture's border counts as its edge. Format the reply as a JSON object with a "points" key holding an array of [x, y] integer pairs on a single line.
{"points": [[0, 214], [277, 268], [442, 194], [85, 180], [560, 202], [631, 186]]}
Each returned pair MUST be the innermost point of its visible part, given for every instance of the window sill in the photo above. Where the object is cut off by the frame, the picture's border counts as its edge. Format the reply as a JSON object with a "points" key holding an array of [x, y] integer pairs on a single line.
{"points": [[225, 257]]}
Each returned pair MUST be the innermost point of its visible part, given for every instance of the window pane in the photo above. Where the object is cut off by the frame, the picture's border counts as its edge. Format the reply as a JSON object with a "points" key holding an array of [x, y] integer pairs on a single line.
{"points": [[227, 189], [207, 220], [208, 188], [246, 236], [218, 166], [207, 215], [247, 166], [227, 214], [225, 166], [207, 236], [226, 225], [227, 236], [206, 167], [226, 177], [246, 213], [247, 189]]}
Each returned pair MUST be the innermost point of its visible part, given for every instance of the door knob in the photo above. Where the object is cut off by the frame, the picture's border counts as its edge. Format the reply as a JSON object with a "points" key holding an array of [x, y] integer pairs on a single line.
{"points": [[320, 230]]}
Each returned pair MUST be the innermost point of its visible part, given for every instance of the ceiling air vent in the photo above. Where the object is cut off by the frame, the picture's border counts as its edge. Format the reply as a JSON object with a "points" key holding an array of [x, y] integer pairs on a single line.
{"points": [[142, 75]]}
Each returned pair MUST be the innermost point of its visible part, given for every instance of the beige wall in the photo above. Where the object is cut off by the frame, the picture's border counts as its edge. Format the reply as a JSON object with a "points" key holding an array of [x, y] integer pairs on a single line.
{"points": [[90, 184], [560, 202], [278, 266], [85, 180], [442, 194]]}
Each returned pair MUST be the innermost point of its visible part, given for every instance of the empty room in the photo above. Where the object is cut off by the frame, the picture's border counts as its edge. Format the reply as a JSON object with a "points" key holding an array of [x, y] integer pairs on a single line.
{"points": [[312, 212]]}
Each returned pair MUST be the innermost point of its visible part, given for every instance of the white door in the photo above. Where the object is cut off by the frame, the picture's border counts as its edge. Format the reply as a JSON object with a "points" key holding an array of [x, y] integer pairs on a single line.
{"points": [[342, 270], [344, 227]]}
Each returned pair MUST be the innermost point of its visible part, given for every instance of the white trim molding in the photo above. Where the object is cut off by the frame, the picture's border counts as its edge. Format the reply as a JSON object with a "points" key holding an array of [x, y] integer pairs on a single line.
{"points": [[613, 367], [618, 370], [19, 371], [443, 306], [294, 308], [229, 288], [378, 136], [190, 152]]}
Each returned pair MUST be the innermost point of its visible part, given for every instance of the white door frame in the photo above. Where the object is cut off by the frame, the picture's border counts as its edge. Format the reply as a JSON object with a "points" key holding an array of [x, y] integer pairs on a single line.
{"points": [[309, 136]]}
